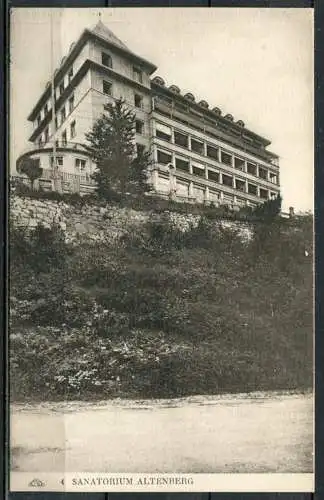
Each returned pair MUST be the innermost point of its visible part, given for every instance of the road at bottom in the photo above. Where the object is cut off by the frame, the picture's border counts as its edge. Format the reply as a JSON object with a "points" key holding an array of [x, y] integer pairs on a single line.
{"points": [[201, 434]]}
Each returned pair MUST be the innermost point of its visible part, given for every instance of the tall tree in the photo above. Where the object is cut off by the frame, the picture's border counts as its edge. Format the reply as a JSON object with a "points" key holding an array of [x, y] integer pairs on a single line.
{"points": [[31, 168], [112, 146], [269, 210]]}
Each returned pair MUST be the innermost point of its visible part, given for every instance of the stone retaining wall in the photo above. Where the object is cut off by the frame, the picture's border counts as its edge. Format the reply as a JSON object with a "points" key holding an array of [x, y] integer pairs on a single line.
{"points": [[96, 223]]}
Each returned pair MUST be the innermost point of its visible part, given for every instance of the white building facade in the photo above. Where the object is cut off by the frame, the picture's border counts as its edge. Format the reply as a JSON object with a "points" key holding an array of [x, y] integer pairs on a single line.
{"points": [[197, 154]]}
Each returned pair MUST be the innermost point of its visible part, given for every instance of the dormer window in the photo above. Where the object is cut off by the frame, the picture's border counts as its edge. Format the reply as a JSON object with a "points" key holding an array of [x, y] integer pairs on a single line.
{"points": [[138, 75], [106, 60]]}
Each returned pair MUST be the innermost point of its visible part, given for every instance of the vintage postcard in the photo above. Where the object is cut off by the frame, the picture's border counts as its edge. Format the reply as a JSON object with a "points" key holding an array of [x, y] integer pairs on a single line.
{"points": [[161, 250]]}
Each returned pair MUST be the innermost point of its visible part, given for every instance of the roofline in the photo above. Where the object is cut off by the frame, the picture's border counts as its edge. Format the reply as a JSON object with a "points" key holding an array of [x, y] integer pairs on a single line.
{"points": [[209, 112], [86, 66], [71, 56], [152, 67]]}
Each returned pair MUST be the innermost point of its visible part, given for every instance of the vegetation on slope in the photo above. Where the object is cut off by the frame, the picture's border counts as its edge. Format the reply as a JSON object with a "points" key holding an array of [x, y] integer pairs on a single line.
{"points": [[162, 313]]}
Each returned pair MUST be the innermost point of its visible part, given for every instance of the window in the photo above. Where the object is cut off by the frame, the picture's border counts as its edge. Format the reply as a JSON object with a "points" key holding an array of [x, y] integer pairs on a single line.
{"points": [[64, 138], [213, 176], [59, 161], [263, 173], [163, 132], [61, 88], [181, 139], [46, 135], [273, 178], [197, 146], [107, 87], [106, 60], [251, 168], [239, 185], [138, 101], [140, 149], [57, 143], [63, 114], [239, 164], [80, 164], [212, 152], [138, 76], [163, 158], [182, 164], [38, 120], [46, 109], [139, 125], [252, 189], [70, 75], [71, 104], [56, 124], [72, 130], [198, 170], [227, 180], [40, 142], [263, 194], [226, 159]]}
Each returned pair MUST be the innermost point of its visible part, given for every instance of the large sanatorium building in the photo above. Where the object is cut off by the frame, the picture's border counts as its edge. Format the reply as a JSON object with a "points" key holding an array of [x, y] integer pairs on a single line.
{"points": [[209, 157]]}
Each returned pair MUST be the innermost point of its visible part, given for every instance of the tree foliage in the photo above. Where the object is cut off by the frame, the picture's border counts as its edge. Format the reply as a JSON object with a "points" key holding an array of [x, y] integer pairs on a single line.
{"points": [[112, 146], [32, 169], [269, 210]]}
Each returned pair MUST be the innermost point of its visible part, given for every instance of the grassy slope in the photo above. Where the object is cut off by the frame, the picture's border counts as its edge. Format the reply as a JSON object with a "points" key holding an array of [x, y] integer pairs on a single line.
{"points": [[165, 315]]}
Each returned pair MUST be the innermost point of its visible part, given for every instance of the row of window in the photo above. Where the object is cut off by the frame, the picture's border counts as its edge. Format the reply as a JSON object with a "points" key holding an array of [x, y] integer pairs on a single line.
{"points": [[200, 171], [43, 140], [205, 120], [58, 92], [106, 60], [180, 139], [107, 89], [200, 192], [79, 163]]}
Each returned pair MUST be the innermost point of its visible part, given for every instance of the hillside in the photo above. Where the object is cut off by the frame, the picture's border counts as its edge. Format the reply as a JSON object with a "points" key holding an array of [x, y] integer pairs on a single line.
{"points": [[159, 311]]}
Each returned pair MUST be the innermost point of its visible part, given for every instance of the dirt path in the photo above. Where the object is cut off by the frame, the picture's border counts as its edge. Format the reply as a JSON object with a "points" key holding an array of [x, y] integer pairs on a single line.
{"points": [[246, 433]]}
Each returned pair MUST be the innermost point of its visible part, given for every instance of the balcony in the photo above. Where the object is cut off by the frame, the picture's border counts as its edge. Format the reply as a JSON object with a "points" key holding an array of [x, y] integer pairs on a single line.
{"points": [[201, 181]]}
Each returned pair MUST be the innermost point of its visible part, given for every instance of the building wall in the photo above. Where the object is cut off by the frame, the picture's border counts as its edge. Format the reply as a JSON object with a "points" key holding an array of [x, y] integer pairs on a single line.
{"points": [[120, 63], [77, 63], [202, 188]]}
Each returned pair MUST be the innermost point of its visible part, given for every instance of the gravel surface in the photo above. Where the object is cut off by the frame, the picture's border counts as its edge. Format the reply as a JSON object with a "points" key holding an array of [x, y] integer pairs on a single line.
{"points": [[258, 432]]}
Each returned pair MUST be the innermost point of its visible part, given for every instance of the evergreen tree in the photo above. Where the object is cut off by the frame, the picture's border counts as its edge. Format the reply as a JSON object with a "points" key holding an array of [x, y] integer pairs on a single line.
{"points": [[112, 146], [269, 210]]}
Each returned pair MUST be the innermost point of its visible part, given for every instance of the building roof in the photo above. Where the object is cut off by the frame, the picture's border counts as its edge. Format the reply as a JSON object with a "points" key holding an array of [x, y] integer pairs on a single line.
{"points": [[106, 36], [104, 32]]}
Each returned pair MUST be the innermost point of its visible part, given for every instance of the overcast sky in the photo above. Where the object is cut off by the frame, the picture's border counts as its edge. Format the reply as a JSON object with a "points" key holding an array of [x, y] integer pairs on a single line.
{"points": [[256, 64]]}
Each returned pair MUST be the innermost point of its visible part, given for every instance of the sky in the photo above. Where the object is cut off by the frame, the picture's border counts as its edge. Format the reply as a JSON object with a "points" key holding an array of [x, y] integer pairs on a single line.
{"points": [[256, 64]]}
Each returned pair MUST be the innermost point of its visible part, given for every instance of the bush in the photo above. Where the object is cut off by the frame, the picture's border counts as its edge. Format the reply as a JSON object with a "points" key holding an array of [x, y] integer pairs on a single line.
{"points": [[162, 313]]}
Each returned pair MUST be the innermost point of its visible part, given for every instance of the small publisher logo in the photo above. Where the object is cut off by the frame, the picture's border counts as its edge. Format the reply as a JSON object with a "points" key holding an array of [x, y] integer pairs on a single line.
{"points": [[36, 483]]}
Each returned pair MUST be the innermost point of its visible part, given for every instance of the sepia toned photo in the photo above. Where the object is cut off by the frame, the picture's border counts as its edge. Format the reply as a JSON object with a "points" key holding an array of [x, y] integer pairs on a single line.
{"points": [[161, 249]]}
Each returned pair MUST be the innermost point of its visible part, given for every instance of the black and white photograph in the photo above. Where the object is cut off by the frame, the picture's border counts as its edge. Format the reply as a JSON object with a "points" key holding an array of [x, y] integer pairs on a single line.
{"points": [[161, 255]]}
